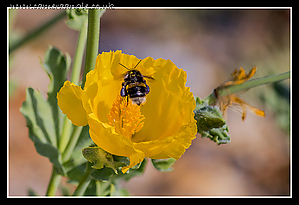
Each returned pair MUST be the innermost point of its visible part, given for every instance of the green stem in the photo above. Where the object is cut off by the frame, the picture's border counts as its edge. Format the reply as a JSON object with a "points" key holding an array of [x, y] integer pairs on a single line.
{"points": [[92, 46], [75, 77], [33, 34], [65, 135], [247, 85], [53, 183], [255, 82], [84, 181], [72, 143]]}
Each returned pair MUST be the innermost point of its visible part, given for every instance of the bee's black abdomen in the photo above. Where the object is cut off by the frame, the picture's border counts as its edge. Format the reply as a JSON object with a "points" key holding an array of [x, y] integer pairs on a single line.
{"points": [[137, 91]]}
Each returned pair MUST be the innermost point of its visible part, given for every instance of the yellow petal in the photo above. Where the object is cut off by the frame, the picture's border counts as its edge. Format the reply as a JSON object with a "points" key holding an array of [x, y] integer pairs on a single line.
{"points": [[104, 136], [173, 146], [70, 102], [105, 81], [169, 104], [98, 98], [169, 125]]}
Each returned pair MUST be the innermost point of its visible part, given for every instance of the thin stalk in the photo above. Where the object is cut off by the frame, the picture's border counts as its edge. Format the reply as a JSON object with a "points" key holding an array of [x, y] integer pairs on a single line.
{"points": [[66, 134], [75, 77], [72, 143], [247, 85], [33, 34], [53, 183], [255, 82], [83, 184], [92, 46]]}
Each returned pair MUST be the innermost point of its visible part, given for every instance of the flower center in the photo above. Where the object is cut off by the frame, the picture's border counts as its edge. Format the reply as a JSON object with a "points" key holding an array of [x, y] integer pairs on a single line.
{"points": [[125, 117]]}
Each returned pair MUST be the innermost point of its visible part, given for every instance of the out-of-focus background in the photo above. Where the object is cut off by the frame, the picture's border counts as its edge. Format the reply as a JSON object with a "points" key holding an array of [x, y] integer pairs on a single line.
{"points": [[209, 45]]}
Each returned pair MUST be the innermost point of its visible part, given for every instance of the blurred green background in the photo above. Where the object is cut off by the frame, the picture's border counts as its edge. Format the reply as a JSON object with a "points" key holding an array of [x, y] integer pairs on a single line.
{"points": [[209, 45]]}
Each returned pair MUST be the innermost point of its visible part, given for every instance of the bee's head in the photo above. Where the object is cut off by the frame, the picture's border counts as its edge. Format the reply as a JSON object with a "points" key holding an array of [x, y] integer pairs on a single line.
{"points": [[133, 74]]}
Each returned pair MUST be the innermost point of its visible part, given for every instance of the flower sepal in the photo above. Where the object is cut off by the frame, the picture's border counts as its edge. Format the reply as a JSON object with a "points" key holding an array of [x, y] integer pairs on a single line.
{"points": [[102, 159], [210, 122], [163, 165]]}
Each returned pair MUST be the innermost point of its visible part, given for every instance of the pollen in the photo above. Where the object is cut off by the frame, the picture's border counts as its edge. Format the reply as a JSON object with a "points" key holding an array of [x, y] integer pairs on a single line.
{"points": [[125, 117]]}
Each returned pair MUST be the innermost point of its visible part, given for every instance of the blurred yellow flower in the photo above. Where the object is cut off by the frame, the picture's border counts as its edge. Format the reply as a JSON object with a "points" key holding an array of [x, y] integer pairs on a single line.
{"points": [[161, 128], [237, 77], [236, 103]]}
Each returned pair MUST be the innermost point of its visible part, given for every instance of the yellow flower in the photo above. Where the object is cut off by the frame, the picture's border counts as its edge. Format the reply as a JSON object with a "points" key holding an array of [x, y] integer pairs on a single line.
{"points": [[237, 77], [161, 128], [237, 102]]}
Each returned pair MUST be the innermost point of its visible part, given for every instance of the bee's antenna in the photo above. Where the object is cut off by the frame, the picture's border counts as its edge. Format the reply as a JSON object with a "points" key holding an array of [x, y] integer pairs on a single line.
{"points": [[137, 64], [124, 66]]}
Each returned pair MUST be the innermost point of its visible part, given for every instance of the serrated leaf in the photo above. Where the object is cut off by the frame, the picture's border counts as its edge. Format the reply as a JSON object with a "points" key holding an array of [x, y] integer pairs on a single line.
{"points": [[100, 158], [56, 66], [37, 113], [43, 117], [163, 165]]}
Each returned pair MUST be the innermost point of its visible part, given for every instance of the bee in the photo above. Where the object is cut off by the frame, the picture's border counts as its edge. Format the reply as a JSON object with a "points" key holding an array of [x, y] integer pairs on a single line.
{"points": [[134, 85]]}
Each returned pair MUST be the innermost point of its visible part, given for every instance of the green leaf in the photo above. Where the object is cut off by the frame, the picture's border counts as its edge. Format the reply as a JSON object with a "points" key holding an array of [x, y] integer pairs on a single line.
{"points": [[77, 18], [43, 117], [37, 113], [103, 174], [101, 158], [120, 192], [75, 175], [163, 165], [56, 65], [31, 192]]}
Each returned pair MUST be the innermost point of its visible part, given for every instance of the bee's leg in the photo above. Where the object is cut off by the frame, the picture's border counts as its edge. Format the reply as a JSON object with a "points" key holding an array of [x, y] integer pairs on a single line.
{"points": [[123, 91], [147, 89]]}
